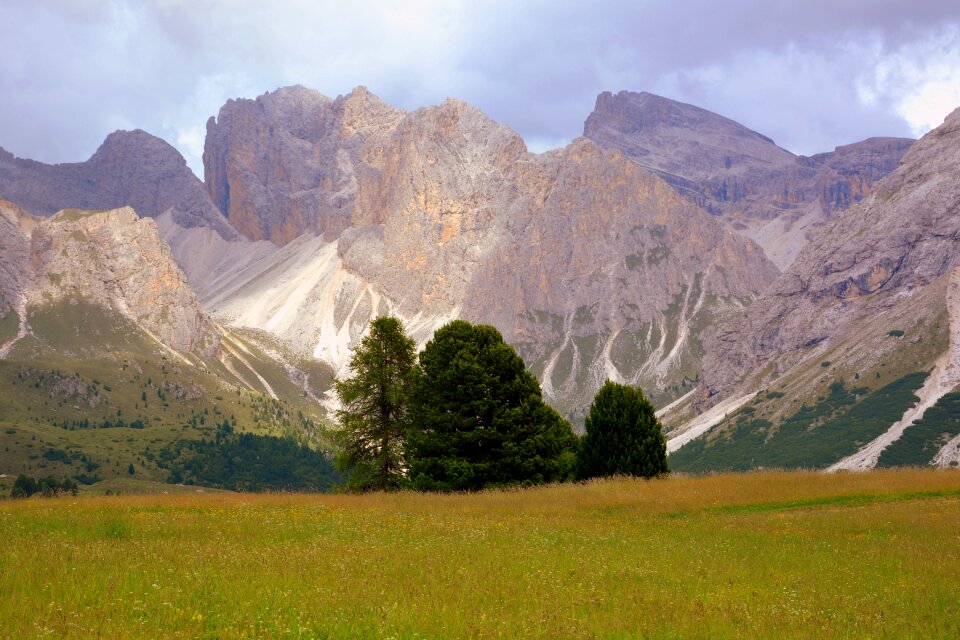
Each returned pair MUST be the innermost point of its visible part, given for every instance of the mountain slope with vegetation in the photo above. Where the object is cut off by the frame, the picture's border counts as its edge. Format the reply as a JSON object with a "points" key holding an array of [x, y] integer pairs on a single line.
{"points": [[114, 362], [875, 298]]}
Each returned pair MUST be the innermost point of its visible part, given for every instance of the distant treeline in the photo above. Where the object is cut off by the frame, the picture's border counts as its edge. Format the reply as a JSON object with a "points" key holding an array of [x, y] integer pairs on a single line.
{"points": [[24, 487], [119, 423], [247, 462]]}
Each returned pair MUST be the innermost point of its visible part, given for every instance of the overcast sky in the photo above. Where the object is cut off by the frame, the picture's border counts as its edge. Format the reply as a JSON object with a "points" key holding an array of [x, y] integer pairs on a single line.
{"points": [[811, 74]]}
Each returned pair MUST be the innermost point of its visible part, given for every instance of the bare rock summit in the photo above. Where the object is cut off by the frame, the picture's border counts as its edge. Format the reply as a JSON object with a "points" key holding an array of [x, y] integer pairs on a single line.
{"points": [[757, 188], [131, 168]]}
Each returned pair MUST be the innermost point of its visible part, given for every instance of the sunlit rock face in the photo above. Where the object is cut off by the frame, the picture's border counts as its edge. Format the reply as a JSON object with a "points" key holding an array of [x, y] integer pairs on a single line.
{"points": [[116, 260], [591, 265]]}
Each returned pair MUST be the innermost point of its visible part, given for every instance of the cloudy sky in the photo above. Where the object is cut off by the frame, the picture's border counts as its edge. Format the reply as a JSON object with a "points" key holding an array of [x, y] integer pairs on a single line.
{"points": [[811, 74]]}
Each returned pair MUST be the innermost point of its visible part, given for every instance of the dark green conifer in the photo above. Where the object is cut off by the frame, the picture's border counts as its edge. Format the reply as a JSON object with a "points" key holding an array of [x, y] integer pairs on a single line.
{"points": [[623, 436], [478, 419]]}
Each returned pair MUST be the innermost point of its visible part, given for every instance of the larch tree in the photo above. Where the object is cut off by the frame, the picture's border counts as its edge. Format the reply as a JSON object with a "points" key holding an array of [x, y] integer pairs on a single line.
{"points": [[374, 411]]}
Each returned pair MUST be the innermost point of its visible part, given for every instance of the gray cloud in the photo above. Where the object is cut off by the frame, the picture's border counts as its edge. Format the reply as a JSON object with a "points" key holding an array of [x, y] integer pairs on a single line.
{"points": [[811, 75]]}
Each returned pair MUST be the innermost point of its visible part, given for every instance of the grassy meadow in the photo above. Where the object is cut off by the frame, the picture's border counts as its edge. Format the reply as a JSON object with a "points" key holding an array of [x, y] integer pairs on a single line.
{"points": [[750, 555]]}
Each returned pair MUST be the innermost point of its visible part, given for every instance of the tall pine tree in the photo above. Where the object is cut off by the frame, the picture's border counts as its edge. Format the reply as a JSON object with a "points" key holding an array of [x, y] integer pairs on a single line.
{"points": [[374, 407], [478, 419]]}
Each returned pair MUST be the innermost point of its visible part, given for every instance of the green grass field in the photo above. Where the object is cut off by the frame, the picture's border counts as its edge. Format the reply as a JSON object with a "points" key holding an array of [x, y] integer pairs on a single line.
{"points": [[753, 555]]}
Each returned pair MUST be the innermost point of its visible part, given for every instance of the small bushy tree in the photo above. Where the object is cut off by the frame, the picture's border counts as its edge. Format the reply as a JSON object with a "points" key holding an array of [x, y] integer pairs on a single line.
{"points": [[478, 419], [23, 487], [374, 407], [623, 436]]}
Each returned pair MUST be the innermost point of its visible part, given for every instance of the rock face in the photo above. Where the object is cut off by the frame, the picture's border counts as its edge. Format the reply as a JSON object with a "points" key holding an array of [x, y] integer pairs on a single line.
{"points": [[131, 168], [293, 160], [601, 271], [759, 189], [591, 265], [15, 227], [115, 260], [878, 255]]}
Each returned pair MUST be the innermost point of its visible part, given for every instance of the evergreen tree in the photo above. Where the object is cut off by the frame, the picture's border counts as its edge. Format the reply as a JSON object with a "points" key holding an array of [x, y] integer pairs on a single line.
{"points": [[623, 436], [374, 404], [23, 487], [478, 418]]}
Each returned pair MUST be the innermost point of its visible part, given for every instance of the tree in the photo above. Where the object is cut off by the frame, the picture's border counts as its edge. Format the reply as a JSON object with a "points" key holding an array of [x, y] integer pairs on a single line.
{"points": [[374, 404], [23, 487], [478, 418], [623, 436]]}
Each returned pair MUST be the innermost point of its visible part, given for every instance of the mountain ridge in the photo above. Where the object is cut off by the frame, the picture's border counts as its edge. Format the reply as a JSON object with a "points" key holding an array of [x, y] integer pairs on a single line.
{"points": [[130, 168], [873, 299], [423, 207], [759, 189]]}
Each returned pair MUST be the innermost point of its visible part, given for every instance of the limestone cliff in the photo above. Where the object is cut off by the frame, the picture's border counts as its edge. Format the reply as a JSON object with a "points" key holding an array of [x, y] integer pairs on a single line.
{"points": [[591, 265], [293, 161], [879, 257], [602, 271], [116, 260], [131, 168], [757, 188]]}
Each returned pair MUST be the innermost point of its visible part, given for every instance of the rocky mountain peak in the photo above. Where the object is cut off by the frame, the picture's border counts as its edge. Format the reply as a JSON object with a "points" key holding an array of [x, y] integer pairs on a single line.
{"points": [[131, 168], [364, 112], [899, 240], [629, 114], [121, 145], [117, 260], [278, 173], [591, 265], [758, 189]]}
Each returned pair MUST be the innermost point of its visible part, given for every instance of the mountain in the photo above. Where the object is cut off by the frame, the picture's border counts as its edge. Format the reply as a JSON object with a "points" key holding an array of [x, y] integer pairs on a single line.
{"points": [[867, 319], [759, 189], [131, 168], [116, 260], [15, 227], [294, 160], [108, 362], [590, 265]]}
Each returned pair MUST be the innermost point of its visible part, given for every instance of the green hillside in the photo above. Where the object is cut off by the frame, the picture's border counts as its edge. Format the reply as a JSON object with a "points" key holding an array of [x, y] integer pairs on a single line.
{"points": [[90, 396]]}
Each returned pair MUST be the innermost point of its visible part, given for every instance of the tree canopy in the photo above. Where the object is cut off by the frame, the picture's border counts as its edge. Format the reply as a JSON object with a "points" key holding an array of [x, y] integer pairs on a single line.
{"points": [[477, 417], [623, 435], [374, 407]]}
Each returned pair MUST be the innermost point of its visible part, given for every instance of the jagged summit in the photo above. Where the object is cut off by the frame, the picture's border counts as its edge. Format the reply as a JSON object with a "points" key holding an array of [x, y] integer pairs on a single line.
{"points": [[758, 189], [131, 168], [584, 260]]}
